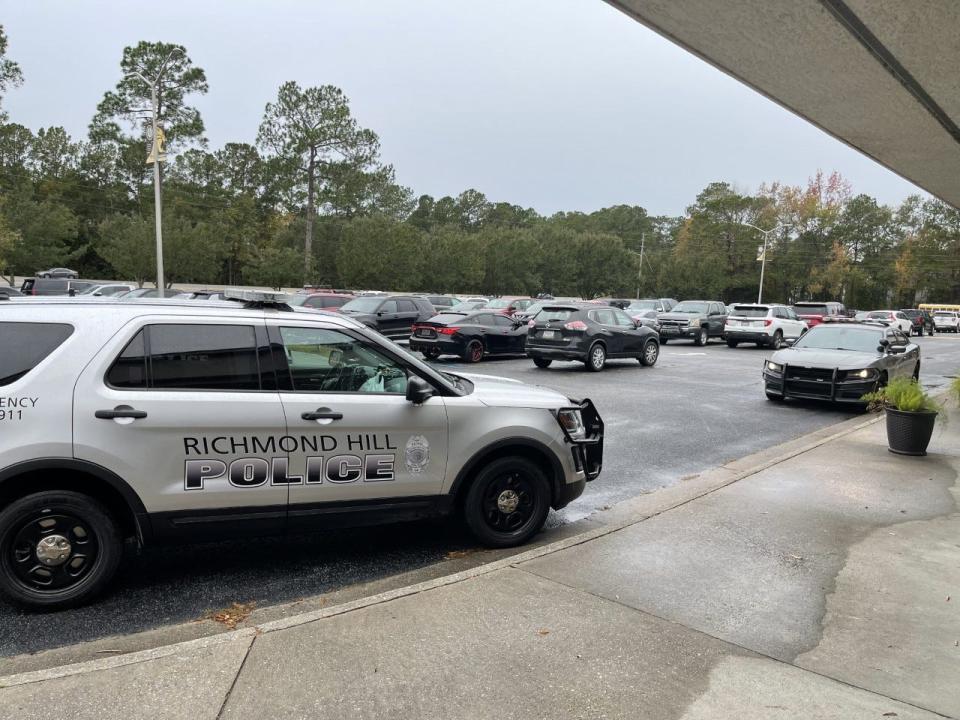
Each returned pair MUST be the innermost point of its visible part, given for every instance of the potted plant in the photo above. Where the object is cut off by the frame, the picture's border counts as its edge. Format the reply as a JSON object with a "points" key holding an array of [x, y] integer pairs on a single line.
{"points": [[911, 413]]}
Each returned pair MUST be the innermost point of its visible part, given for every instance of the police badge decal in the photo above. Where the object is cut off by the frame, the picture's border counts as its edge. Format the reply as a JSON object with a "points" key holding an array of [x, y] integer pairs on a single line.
{"points": [[417, 453]]}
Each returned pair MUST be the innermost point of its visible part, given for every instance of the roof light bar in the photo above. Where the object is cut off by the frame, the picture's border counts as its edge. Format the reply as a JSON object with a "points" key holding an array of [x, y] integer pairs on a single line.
{"points": [[262, 297]]}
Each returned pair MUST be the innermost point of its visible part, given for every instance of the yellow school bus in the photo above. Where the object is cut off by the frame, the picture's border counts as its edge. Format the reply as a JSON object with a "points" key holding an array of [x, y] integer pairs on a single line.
{"points": [[939, 306]]}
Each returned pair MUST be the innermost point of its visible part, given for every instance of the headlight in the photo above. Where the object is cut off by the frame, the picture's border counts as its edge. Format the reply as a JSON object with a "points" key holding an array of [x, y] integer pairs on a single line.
{"points": [[695, 322], [774, 367], [572, 423], [865, 374]]}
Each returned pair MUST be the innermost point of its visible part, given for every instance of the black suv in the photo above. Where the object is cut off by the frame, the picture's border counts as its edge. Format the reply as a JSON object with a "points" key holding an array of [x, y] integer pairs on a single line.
{"points": [[391, 315], [922, 320], [698, 320], [589, 333]]}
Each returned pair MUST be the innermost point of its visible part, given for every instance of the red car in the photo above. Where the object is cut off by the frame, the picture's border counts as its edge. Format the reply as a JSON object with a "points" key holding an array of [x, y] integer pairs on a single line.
{"points": [[815, 312], [508, 306], [320, 301]]}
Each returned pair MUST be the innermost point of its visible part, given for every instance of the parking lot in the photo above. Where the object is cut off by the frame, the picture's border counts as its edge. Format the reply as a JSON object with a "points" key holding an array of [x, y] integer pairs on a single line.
{"points": [[699, 407]]}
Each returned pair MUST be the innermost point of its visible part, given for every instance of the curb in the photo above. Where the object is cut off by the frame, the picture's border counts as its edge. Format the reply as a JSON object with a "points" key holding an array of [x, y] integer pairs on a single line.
{"points": [[635, 516]]}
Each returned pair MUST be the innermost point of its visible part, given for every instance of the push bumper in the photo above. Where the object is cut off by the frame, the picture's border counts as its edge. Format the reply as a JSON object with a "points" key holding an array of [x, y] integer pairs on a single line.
{"points": [[829, 388], [587, 455]]}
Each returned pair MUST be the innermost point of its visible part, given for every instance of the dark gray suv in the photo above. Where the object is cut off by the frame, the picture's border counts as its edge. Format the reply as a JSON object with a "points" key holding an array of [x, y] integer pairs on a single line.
{"points": [[391, 315]]}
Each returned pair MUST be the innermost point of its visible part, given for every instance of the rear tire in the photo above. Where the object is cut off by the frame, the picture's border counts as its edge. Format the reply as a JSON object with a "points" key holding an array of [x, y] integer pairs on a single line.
{"points": [[777, 342], [507, 503], [702, 338], [473, 353], [916, 372], [664, 341], [596, 357], [541, 362], [650, 353], [92, 550]]}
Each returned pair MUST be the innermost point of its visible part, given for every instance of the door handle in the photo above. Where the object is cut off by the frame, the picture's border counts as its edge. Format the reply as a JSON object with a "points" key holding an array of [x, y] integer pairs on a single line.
{"points": [[322, 414], [120, 411]]}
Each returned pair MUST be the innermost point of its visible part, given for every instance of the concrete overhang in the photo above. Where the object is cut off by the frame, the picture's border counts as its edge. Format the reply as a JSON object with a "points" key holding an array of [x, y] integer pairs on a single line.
{"points": [[880, 75]]}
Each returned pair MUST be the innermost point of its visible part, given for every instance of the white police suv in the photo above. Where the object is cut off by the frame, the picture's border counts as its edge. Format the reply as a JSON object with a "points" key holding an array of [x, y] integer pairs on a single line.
{"points": [[157, 420]]}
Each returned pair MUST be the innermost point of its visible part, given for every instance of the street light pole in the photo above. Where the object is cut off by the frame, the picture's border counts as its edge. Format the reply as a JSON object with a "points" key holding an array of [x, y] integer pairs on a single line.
{"points": [[763, 257], [643, 237], [155, 154]]}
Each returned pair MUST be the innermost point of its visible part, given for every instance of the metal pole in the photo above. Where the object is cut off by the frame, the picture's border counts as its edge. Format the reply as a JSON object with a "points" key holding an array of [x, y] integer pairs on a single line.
{"points": [[156, 193], [643, 237], [763, 265]]}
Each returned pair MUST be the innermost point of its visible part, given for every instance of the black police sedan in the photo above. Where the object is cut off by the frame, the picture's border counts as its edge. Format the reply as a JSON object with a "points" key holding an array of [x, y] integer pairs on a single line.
{"points": [[591, 334], [471, 335]]}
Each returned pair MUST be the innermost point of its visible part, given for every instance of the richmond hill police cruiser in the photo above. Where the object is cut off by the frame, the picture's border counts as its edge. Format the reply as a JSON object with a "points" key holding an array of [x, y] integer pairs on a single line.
{"points": [[159, 420]]}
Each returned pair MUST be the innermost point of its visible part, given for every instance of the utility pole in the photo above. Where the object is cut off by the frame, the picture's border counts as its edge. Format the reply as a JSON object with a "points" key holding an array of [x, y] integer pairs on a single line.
{"points": [[643, 237], [156, 155], [763, 254]]}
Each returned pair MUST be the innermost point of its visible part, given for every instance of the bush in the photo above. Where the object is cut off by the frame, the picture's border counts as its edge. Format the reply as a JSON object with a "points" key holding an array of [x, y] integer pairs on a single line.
{"points": [[904, 394]]}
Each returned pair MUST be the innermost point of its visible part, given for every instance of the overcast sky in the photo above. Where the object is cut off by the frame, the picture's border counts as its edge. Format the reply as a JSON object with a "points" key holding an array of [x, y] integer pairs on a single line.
{"points": [[554, 104]]}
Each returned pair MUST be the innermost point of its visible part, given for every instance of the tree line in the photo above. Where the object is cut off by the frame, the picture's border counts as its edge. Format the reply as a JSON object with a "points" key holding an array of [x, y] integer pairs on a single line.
{"points": [[310, 200]]}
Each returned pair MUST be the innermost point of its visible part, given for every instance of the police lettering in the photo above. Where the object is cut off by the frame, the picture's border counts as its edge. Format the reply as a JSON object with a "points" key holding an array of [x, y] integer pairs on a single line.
{"points": [[252, 472]]}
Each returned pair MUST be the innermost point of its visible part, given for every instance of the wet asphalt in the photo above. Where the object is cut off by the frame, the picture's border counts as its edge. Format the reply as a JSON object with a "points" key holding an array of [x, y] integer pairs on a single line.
{"points": [[697, 408]]}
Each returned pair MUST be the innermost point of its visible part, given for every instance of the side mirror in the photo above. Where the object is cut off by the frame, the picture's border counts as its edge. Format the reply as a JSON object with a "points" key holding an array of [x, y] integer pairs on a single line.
{"points": [[896, 349], [791, 341], [418, 390]]}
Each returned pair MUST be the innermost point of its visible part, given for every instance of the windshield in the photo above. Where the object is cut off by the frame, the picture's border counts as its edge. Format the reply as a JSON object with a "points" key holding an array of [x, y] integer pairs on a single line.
{"points": [[89, 290], [690, 307], [750, 311], [466, 306], [643, 305], [836, 337], [811, 310], [499, 303], [534, 309], [363, 305]]}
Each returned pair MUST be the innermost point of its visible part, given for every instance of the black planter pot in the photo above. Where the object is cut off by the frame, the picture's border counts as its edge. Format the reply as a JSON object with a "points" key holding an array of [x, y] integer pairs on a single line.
{"points": [[909, 433]]}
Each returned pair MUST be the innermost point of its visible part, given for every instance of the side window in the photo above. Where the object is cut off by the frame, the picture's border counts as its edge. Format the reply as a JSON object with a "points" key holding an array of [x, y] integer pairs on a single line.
{"points": [[406, 306], [324, 360], [26, 345], [487, 320], [791, 313], [203, 357], [130, 369], [390, 306], [314, 302], [501, 320], [622, 319], [605, 317]]}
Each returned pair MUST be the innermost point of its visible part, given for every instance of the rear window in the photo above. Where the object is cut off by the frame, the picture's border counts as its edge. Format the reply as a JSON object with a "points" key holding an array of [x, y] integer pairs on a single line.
{"points": [[750, 312], [26, 345], [811, 309], [548, 314], [943, 314]]}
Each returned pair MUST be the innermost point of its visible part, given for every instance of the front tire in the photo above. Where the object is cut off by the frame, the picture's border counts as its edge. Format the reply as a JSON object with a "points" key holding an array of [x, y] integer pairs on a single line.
{"points": [[542, 362], [773, 397], [507, 503], [732, 343], [650, 354], [596, 358], [702, 338], [58, 549]]}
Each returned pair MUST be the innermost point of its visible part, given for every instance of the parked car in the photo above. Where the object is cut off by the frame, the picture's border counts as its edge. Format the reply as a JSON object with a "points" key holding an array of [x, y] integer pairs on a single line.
{"points": [[840, 362], [508, 306], [320, 301], [893, 317], [698, 320], [814, 312], [647, 318], [589, 334], [8, 292], [922, 321], [442, 302], [946, 321], [107, 290], [470, 335], [767, 325], [658, 304], [391, 315], [54, 286], [200, 295], [142, 423], [530, 312], [58, 273], [152, 293], [467, 306]]}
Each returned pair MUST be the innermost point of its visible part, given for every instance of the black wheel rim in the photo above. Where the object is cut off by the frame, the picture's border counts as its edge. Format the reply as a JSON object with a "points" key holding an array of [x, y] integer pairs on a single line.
{"points": [[53, 571], [509, 502]]}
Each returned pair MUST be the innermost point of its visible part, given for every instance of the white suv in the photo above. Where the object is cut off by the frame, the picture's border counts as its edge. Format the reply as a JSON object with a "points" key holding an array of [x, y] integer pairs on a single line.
{"points": [[766, 325], [893, 318], [944, 320], [160, 420]]}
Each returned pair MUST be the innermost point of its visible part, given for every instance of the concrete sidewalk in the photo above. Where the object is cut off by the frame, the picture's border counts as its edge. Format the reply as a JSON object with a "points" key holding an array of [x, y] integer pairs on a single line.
{"points": [[822, 584]]}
